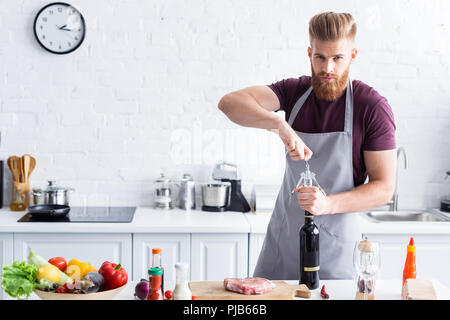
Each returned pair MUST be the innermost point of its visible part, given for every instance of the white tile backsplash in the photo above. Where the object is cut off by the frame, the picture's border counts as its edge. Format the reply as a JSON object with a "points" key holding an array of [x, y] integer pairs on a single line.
{"points": [[140, 95]]}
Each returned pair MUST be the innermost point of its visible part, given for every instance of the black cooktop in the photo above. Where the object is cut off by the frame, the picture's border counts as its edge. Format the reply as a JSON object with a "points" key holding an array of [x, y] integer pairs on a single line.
{"points": [[88, 214]]}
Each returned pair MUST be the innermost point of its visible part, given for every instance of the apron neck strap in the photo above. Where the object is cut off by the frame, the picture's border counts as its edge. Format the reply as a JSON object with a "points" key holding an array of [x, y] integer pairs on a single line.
{"points": [[348, 121], [298, 105]]}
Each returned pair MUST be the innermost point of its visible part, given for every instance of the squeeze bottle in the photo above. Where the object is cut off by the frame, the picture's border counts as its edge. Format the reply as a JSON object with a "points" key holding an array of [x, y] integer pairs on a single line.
{"points": [[409, 271]]}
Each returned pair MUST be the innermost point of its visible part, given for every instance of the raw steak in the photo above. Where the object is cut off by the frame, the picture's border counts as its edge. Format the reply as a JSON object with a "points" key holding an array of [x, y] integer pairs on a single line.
{"points": [[248, 285]]}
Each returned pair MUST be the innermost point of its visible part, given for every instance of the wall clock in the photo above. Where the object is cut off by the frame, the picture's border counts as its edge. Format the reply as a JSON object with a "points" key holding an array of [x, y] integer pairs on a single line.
{"points": [[59, 28]]}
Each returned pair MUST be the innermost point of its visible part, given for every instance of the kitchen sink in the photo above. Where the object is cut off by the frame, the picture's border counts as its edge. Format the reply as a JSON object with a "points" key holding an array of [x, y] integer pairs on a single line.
{"points": [[405, 216]]}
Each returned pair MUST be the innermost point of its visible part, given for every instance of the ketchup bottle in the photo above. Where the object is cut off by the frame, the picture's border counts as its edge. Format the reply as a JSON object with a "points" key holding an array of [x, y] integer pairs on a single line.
{"points": [[410, 264], [154, 284]]}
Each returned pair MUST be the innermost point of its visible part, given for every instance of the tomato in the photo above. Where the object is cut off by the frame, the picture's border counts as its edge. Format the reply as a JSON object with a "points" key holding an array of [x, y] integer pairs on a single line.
{"points": [[194, 298], [61, 289], [168, 294], [59, 262]]}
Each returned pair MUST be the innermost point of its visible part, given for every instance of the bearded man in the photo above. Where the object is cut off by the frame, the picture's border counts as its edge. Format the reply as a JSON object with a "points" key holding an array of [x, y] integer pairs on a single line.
{"points": [[344, 129]]}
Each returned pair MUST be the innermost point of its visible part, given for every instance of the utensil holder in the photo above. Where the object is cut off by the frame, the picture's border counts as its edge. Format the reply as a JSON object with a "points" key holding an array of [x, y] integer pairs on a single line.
{"points": [[20, 196]]}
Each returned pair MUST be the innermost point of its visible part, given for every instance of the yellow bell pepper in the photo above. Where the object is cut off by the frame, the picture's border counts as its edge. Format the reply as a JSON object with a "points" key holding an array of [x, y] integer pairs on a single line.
{"points": [[49, 272], [77, 269]]}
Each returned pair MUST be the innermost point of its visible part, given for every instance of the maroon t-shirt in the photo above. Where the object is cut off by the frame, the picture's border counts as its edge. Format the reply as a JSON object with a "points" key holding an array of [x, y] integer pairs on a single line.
{"points": [[373, 120]]}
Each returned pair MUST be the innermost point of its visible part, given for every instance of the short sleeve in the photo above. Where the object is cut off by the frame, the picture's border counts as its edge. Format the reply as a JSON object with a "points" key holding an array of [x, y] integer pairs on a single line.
{"points": [[288, 91], [380, 128], [279, 88]]}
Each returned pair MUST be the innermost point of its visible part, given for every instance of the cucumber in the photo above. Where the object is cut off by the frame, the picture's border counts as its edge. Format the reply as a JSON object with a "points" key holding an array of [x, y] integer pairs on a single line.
{"points": [[38, 261]]}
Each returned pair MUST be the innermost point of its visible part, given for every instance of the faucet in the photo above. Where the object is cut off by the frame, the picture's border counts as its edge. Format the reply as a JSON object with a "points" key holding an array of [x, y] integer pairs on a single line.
{"points": [[393, 203]]}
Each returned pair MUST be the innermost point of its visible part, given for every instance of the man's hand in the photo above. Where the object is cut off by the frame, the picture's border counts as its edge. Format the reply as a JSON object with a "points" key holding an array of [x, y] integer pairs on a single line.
{"points": [[313, 200], [295, 146]]}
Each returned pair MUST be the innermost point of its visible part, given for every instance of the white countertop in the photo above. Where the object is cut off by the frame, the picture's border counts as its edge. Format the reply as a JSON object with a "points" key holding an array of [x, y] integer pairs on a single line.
{"points": [[337, 289], [259, 224], [150, 220], [146, 219]]}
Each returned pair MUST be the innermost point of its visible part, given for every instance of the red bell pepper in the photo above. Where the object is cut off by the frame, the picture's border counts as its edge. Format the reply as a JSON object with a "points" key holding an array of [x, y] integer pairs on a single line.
{"points": [[114, 275], [59, 262]]}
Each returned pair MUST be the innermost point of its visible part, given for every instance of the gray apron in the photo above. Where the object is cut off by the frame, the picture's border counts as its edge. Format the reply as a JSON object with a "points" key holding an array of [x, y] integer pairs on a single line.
{"points": [[333, 165]]}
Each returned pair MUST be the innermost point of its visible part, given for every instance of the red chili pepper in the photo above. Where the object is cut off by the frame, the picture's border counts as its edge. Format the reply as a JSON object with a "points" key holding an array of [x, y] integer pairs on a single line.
{"points": [[323, 293], [115, 276]]}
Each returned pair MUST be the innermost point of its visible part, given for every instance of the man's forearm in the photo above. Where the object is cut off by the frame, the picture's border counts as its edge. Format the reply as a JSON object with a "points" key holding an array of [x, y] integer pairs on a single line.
{"points": [[362, 198], [243, 110]]}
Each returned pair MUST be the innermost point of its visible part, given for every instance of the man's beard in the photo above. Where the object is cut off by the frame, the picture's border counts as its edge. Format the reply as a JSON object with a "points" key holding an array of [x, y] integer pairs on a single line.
{"points": [[329, 91]]}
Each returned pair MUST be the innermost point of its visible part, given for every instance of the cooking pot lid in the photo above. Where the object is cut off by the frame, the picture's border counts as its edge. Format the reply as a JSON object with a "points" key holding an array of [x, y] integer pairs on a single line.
{"points": [[52, 187]]}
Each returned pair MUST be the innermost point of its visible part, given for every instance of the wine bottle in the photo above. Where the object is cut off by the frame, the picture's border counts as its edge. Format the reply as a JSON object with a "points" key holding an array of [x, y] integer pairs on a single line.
{"points": [[309, 253]]}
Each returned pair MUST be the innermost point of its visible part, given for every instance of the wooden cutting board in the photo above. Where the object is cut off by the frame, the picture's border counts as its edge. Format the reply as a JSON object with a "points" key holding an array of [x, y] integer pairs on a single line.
{"points": [[214, 290]]}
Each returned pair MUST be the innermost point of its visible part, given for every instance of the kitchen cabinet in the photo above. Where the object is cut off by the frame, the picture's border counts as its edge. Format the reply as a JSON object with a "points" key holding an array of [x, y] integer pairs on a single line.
{"points": [[432, 255], [256, 241], [94, 248], [6, 255], [211, 256], [215, 256], [176, 247]]}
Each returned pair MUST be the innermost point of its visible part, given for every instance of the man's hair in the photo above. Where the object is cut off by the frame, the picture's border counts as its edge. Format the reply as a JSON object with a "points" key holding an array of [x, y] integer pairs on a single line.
{"points": [[331, 26]]}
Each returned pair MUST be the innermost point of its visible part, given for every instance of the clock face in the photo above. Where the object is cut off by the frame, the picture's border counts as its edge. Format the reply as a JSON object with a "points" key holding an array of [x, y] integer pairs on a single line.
{"points": [[59, 28]]}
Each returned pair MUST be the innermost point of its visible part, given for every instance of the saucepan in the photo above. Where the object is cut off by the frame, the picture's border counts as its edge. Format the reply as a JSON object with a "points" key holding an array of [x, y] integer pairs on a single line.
{"points": [[52, 194]]}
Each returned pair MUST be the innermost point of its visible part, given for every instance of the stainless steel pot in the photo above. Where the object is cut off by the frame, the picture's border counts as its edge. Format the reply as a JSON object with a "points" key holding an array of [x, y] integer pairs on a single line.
{"points": [[52, 194], [216, 194]]}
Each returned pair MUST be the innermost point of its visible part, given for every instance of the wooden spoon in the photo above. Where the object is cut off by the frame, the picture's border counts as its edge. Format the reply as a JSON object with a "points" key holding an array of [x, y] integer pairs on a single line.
{"points": [[20, 165], [26, 162], [32, 165], [13, 166]]}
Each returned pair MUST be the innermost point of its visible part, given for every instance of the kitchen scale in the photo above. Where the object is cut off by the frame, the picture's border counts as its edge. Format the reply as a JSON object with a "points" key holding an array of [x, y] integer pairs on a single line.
{"points": [[88, 214]]}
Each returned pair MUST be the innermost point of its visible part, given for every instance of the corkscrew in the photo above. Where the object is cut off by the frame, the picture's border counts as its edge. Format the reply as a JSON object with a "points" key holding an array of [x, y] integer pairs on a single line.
{"points": [[308, 178]]}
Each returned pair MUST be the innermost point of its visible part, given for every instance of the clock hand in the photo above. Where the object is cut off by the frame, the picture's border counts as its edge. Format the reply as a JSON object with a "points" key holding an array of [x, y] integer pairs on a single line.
{"points": [[69, 36]]}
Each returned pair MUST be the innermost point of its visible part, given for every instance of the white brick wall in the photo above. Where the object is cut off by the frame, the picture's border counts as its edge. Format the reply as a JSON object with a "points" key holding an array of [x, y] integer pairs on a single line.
{"points": [[145, 84]]}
